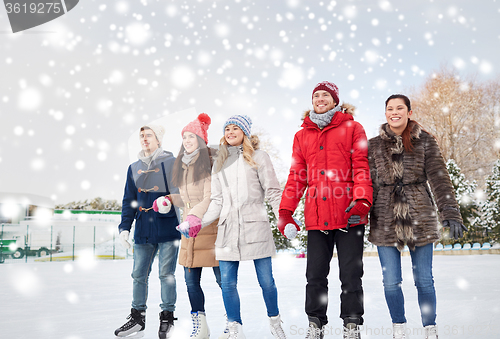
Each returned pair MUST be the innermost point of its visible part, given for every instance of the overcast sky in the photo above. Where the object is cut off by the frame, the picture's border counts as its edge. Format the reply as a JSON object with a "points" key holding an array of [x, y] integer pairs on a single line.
{"points": [[74, 90]]}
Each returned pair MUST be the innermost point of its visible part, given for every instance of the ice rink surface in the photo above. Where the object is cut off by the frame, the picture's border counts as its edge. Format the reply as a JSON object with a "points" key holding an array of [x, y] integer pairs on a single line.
{"points": [[88, 299]]}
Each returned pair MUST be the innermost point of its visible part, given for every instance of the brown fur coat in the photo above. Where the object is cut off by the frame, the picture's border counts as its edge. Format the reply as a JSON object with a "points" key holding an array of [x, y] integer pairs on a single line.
{"points": [[404, 211]]}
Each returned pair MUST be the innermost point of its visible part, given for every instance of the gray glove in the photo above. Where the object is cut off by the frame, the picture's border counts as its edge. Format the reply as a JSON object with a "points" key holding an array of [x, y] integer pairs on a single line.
{"points": [[456, 229], [353, 220]]}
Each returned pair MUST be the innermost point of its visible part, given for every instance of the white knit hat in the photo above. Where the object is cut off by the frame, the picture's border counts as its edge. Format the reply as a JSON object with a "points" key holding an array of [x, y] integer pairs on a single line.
{"points": [[159, 131]]}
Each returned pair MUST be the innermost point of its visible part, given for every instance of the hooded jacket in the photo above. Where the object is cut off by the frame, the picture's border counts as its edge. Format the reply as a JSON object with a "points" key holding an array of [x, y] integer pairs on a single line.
{"points": [[144, 185], [332, 164], [404, 211]]}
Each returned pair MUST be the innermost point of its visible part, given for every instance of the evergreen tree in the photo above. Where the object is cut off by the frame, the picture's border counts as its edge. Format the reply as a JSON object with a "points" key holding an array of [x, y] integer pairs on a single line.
{"points": [[469, 207], [491, 207], [299, 215], [280, 241]]}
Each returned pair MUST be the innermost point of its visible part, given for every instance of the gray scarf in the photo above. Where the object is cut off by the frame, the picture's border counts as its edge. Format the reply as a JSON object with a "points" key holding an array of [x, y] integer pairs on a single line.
{"points": [[187, 157], [149, 159], [322, 120], [235, 149]]}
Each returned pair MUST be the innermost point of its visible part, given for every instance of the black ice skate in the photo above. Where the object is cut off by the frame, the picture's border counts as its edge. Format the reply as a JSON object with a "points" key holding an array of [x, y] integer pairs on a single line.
{"points": [[166, 324], [351, 328], [315, 330], [134, 328]]}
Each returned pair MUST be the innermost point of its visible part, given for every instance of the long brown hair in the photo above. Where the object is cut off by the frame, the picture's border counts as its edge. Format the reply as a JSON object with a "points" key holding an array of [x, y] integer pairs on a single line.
{"points": [[202, 166], [406, 135]]}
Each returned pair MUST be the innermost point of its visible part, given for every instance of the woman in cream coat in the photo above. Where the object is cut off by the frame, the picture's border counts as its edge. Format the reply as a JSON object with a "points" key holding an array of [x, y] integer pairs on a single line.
{"points": [[242, 177]]}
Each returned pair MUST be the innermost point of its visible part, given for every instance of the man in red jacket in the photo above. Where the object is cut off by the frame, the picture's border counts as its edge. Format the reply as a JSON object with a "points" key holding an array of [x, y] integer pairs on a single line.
{"points": [[330, 161]]}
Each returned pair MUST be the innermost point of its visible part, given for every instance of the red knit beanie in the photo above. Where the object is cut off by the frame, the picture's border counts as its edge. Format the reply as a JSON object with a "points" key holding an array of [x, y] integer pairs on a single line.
{"points": [[199, 126], [330, 87]]}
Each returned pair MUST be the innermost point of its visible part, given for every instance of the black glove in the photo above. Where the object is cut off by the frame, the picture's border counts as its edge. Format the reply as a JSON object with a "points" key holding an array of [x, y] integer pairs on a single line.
{"points": [[456, 229]]}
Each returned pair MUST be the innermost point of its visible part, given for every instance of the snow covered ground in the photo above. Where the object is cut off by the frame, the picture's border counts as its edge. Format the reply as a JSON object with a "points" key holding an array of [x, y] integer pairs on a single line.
{"points": [[88, 299]]}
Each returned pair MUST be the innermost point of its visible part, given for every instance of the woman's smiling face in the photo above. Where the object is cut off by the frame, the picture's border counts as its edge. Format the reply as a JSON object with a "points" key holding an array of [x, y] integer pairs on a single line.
{"points": [[189, 141], [397, 115], [234, 135]]}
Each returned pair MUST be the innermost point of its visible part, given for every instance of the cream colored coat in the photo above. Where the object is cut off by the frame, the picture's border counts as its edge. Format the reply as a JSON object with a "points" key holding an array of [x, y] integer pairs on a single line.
{"points": [[244, 232], [194, 197]]}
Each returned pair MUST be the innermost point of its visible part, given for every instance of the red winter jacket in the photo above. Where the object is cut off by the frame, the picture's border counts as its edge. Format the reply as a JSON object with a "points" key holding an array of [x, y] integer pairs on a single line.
{"points": [[333, 165]]}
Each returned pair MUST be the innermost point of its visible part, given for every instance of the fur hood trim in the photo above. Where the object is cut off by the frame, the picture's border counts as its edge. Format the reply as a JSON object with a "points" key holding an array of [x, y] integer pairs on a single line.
{"points": [[387, 134], [346, 108], [255, 141]]}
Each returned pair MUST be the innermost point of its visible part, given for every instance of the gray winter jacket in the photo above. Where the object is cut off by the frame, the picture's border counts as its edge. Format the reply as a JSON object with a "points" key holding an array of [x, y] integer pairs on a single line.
{"points": [[237, 199]]}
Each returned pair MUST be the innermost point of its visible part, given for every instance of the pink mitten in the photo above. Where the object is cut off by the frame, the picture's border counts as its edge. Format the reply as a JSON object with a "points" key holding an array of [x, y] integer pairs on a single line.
{"points": [[183, 228], [195, 225]]}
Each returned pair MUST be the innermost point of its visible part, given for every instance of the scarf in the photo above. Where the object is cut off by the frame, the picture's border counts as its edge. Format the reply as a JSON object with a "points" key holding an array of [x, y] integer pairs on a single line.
{"points": [[322, 120], [188, 157], [235, 149], [150, 158]]}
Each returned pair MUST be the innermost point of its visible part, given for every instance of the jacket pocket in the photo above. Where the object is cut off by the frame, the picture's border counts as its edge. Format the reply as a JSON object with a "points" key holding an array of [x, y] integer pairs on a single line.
{"points": [[342, 198], [346, 155], [221, 233], [311, 212], [256, 231], [429, 193], [256, 226], [223, 215]]}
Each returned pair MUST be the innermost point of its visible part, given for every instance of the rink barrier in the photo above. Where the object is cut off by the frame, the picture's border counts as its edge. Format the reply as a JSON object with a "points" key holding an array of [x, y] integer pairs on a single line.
{"points": [[371, 251], [67, 243]]}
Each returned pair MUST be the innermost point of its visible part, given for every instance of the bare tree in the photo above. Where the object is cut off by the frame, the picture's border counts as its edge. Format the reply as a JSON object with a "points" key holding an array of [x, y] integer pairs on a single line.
{"points": [[461, 114], [493, 101]]}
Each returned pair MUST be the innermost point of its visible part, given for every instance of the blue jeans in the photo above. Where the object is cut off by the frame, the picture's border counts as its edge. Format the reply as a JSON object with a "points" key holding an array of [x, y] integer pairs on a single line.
{"points": [[421, 258], [193, 282], [144, 255], [229, 277]]}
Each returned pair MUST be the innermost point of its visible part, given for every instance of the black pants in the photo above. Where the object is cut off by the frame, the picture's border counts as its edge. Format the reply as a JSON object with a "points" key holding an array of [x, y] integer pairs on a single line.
{"points": [[350, 257]]}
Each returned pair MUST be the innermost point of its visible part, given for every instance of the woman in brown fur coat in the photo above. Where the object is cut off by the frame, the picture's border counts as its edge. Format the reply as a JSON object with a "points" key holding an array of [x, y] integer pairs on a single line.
{"points": [[405, 161]]}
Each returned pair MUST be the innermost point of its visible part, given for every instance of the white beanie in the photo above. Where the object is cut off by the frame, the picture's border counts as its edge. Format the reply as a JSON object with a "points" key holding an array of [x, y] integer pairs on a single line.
{"points": [[159, 131]]}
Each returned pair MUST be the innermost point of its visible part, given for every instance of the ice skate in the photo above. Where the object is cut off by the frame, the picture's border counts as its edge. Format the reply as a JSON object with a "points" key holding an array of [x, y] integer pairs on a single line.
{"points": [[235, 331], [351, 328], [431, 332], [315, 330], [166, 324], [134, 328], [399, 331], [200, 326], [276, 329]]}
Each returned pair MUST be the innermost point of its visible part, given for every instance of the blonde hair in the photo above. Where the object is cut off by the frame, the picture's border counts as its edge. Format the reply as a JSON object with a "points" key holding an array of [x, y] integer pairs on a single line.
{"points": [[250, 145]]}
